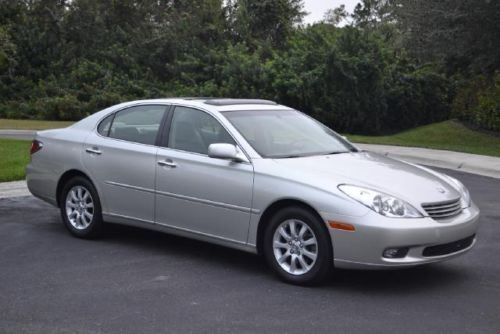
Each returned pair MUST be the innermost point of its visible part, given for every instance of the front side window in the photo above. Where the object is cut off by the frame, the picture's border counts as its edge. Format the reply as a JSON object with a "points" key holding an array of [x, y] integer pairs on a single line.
{"points": [[138, 124], [193, 130], [286, 133]]}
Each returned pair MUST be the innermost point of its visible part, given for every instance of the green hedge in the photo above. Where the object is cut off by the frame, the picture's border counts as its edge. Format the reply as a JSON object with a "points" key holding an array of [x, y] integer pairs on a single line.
{"points": [[478, 102]]}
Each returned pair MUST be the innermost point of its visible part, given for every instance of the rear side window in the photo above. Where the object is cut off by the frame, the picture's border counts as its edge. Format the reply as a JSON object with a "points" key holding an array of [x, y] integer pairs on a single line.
{"points": [[104, 126], [138, 124]]}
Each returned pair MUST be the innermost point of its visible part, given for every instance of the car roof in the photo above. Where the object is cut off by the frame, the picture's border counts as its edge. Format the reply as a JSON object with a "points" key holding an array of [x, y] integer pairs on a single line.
{"points": [[213, 105], [218, 104]]}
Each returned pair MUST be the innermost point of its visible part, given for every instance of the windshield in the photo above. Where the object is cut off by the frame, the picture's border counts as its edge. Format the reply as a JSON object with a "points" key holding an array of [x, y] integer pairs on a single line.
{"points": [[286, 134]]}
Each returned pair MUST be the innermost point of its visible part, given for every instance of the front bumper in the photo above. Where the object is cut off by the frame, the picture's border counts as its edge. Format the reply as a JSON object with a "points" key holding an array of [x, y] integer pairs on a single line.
{"points": [[364, 247]]}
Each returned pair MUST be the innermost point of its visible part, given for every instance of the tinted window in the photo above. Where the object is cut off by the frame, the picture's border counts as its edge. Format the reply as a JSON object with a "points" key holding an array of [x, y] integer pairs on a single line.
{"points": [[103, 127], [138, 124], [194, 130]]}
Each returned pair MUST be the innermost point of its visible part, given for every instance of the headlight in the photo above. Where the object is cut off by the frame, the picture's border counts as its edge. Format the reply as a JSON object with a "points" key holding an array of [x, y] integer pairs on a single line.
{"points": [[381, 203], [464, 192]]}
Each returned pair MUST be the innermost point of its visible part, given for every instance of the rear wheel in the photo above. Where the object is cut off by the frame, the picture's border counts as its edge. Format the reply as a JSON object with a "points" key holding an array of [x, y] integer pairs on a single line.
{"points": [[297, 247], [80, 208]]}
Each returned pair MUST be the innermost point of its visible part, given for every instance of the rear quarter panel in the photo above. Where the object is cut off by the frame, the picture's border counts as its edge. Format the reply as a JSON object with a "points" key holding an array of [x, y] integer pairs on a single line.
{"points": [[61, 152]]}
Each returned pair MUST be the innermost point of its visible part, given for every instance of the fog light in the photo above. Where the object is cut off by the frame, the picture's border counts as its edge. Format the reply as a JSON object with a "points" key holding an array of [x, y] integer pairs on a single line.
{"points": [[395, 253]]}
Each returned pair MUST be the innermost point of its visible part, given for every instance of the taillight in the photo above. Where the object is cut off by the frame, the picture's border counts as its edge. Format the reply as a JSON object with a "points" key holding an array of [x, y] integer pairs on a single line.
{"points": [[35, 146]]}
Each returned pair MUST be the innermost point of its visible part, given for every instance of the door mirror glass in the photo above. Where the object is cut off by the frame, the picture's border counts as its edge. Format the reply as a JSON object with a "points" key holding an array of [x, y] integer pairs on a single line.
{"points": [[225, 151]]}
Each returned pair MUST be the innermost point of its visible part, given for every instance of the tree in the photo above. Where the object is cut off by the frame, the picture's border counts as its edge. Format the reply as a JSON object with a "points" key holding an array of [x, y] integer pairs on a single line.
{"points": [[335, 16], [463, 34], [7, 53], [64, 59], [271, 21], [370, 14]]}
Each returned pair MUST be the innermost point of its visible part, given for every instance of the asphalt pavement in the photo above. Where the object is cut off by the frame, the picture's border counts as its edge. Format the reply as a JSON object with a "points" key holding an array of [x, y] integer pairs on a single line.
{"points": [[136, 281]]}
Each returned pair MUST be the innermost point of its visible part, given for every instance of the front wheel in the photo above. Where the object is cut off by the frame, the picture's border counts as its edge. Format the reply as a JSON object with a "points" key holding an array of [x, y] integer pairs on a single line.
{"points": [[297, 247], [80, 208]]}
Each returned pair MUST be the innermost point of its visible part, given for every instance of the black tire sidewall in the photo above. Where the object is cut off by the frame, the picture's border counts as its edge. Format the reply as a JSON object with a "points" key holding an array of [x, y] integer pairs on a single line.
{"points": [[95, 227], [324, 262]]}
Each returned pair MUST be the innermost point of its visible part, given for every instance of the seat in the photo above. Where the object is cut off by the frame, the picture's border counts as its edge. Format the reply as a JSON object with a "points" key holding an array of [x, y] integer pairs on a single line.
{"points": [[128, 133], [185, 137]]}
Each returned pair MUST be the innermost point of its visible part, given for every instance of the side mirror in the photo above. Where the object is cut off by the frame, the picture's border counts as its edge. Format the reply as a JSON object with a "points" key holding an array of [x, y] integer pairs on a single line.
{"points": [[226, 151]]}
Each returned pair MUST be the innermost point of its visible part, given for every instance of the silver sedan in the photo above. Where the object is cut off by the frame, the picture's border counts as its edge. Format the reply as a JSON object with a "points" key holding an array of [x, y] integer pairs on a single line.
{"points": [[252, 175]]}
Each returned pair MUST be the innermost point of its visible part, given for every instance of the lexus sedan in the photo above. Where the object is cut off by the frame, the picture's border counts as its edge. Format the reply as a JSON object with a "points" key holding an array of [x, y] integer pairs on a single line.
{"points": [[252, 175]]}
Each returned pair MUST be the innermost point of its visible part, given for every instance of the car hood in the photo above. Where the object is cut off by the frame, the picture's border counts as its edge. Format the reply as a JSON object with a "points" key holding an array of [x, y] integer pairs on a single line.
{"points": [[397, 178]]}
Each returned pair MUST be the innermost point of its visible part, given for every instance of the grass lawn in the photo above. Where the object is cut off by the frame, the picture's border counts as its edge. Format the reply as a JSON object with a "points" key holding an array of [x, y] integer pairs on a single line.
{"points": [[448, 135], [14, 156], [27, 124]]}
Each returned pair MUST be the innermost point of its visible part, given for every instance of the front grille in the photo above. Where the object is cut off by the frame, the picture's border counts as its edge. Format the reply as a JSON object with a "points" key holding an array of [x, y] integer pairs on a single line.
{"points": [[443, 209], [448, 248]]}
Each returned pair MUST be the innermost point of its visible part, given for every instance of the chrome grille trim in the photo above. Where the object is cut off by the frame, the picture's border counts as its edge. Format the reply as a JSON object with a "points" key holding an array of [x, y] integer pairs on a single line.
{"points": [[441, 206], [442, 210]]}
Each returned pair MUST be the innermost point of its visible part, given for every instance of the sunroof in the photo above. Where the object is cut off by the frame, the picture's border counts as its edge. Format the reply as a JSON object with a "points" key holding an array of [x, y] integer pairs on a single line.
{"points": [[194, 98], [230, 102]]}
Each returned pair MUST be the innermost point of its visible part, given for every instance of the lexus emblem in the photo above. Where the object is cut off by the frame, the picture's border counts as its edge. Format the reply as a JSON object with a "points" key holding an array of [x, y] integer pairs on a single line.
{"points": [[441, 190]]}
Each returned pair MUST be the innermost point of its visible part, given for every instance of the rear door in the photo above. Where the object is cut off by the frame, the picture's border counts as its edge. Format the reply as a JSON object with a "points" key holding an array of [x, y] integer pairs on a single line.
{"points": [[197, 193], [121, 158]]}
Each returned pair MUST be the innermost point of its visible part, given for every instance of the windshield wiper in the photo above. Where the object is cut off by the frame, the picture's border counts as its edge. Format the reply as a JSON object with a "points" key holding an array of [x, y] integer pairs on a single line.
{"points": [[312, 154], [337, 152], [289, 156]]}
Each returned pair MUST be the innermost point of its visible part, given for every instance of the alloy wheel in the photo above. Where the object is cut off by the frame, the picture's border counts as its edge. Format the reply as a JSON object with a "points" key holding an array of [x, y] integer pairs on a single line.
{"points": [[295, 247], [79, 207]]}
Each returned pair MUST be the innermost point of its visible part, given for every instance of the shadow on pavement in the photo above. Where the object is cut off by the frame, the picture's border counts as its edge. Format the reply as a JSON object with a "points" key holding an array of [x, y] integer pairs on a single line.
{"points": [[422, 278]]}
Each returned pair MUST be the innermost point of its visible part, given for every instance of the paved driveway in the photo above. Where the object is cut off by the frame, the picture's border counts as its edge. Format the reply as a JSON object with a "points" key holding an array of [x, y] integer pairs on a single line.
{"points": [[137, 281]]}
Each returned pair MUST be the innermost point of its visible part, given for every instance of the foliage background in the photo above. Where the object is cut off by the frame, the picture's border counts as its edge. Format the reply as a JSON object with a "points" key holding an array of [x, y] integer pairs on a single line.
{"points": [[396, 65]]}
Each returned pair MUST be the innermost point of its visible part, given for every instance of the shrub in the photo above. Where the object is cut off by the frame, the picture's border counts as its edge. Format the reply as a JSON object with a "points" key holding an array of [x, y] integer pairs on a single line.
{"points": [[477, 102]]}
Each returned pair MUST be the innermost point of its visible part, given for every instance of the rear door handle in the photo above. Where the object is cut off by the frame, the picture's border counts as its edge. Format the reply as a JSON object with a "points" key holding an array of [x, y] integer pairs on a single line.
{"points": [[168, 163], [93, 150]]}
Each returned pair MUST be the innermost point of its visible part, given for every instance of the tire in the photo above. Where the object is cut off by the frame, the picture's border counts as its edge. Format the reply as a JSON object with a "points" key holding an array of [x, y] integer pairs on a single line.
{"points": [[308, 269], [80, 208]]}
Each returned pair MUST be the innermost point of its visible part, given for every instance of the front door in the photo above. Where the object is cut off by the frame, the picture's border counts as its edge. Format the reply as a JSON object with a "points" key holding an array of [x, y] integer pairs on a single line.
{"points": [[196, 193]]}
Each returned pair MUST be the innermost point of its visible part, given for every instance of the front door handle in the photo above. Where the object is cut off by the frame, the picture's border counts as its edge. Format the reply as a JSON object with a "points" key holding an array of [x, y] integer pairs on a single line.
{"points": [[168, 163], [93, 150]]}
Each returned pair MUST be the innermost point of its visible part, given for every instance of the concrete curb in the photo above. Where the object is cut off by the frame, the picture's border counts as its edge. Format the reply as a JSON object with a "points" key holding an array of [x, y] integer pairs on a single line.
{"points": [[13, 189], [465, 162]]}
